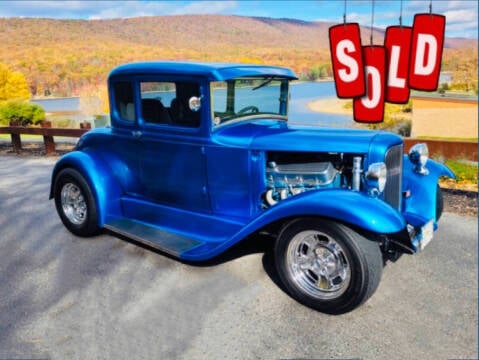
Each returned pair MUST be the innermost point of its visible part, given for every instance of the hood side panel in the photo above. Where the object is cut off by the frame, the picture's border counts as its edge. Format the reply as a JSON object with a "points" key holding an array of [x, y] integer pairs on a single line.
{"points": [[276, 135]]}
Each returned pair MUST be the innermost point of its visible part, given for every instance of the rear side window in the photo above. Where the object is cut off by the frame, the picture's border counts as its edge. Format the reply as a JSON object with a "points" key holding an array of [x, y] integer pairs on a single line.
{"points": [[124, 101]]}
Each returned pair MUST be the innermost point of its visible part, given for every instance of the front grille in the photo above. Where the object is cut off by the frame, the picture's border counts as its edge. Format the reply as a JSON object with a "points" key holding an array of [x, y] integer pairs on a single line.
{"points": [[393, 190]]}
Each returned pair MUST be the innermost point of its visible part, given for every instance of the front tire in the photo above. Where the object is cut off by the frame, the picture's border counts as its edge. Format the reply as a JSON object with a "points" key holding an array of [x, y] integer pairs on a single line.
{"points": [[75, 203], [326, 265]]}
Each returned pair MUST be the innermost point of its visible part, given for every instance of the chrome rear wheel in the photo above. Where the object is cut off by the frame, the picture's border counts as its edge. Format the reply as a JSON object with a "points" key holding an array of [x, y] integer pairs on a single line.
{"points": [[73, 203]]}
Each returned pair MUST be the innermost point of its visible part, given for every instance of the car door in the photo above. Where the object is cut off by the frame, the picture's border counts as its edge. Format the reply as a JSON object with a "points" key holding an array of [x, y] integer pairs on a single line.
{"points": [[123, 148], [173, 162]]}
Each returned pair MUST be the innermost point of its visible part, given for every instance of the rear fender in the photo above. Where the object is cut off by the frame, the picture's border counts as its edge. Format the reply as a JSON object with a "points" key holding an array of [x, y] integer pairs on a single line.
{"points": [[105, 187], [420, 206]]}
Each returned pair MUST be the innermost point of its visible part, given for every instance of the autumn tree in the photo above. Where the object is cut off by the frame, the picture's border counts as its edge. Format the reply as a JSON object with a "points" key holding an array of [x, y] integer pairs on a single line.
{"points": [[13, 84]]}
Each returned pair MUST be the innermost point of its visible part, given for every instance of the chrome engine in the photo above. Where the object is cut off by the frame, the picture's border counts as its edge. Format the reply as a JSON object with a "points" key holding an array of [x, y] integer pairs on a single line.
{"points": [[289, 174], [286, 180]]}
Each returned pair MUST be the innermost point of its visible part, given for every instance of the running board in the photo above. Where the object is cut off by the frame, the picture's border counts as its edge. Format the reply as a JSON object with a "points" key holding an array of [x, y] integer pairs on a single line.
{"points": [[163, 240]]}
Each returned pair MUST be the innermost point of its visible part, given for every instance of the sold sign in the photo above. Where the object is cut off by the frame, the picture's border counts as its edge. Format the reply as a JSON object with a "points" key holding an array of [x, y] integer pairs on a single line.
{"points": [[373, 75], [370, 107], [347, 60], [426, 51], [397, 42]]}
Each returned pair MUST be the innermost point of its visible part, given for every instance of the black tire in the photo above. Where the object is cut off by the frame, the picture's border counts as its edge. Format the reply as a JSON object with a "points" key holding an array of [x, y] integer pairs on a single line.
{"points": [[77, 210], [357, 261], [439, 203]]}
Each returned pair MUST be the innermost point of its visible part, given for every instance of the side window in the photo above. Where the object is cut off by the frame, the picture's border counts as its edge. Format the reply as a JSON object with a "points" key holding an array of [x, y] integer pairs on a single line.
{"points": [[168, 103], [124, 100]]}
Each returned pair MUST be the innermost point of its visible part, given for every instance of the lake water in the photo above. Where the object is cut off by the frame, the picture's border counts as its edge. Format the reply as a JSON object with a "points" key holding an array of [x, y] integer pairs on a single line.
{"points": [[304, 93], [70, 104], [299, 113]]}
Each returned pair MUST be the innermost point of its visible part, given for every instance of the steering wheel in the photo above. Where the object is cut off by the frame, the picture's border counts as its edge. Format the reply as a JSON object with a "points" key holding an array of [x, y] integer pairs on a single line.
{"points": [[252, 109]]}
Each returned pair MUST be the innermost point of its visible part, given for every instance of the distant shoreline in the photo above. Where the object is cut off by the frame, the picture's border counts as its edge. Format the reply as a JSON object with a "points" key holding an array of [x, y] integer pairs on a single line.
{"points": [[432, 116], [330, 105]]}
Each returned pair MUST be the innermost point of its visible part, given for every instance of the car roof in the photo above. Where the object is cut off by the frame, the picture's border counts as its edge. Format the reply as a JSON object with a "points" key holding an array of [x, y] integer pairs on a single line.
{"points": [[212, 71]]}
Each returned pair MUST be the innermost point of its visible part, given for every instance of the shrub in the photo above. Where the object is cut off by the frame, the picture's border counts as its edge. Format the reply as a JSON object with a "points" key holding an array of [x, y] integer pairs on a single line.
{"points": [[22, 112], [64, 123], [464, 171], [397, 118], [400, 126]]}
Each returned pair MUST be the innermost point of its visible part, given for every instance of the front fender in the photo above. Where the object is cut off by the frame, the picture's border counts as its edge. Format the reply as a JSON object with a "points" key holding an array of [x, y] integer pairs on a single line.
{"points": [[105, 187], [350, 207], [420, 206]]}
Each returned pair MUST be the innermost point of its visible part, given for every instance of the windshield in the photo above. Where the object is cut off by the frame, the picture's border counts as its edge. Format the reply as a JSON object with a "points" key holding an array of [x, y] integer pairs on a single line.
{"points": [[246, 98]]}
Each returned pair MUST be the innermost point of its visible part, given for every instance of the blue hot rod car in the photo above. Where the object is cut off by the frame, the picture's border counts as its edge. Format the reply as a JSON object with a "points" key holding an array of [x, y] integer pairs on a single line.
{"points": [[200, 156]]}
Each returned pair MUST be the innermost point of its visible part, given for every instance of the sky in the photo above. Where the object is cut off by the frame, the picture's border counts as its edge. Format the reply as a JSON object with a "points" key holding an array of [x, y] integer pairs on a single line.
{"points": [[461, 16]]}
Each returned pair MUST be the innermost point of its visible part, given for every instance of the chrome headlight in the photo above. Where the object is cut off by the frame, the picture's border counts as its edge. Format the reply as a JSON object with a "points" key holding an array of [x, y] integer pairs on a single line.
{"points": [[376, 178], [418, 155]]}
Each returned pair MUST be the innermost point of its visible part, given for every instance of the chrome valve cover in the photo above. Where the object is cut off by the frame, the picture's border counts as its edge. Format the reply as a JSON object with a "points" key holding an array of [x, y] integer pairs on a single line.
{"points": [[290, 179]]}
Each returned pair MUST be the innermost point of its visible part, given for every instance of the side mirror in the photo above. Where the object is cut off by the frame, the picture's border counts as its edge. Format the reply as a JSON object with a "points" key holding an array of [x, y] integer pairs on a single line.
{"points": [[194, 103]]}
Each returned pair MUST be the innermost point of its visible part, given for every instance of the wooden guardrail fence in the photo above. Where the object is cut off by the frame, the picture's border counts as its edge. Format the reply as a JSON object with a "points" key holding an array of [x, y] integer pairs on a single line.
{"points": [[448, 149], [47, 133]]}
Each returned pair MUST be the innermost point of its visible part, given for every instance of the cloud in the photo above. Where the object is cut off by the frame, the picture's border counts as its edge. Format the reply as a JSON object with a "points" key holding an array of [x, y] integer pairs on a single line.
{"points": [[462, 22], [461, 16], [206, 7], [111, 9], [51, 9], [125, 9]]}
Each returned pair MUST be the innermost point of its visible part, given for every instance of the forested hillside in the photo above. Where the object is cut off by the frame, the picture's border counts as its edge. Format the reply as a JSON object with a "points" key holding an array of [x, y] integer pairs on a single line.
{"points": [[64, 57]]}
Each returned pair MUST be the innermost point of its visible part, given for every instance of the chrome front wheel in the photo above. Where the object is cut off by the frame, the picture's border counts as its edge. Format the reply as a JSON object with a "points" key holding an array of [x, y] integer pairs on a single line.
{"points": [[326, 265], [318, 264]]}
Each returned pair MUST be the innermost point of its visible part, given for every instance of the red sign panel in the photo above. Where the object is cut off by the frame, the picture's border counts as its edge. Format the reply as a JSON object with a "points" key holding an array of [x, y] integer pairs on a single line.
{"points": [[370, 107], [347, 60], [426, 51], [397, 42]]}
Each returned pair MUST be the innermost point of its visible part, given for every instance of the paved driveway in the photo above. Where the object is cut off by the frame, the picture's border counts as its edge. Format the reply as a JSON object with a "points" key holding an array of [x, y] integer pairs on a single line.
{"points": [[64, 297]]}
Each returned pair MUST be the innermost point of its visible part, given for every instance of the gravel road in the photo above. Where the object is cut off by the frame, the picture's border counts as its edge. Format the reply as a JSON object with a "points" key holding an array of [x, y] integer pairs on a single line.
{"points": [[64, 297]]}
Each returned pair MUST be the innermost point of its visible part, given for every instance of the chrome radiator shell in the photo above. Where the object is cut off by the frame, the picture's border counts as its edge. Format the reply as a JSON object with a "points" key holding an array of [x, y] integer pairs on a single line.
{"points": [[394, 163]]}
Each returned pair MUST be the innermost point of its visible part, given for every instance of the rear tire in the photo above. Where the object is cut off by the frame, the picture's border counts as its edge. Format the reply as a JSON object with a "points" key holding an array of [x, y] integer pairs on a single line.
{"points": [[75, 203], [326, 265]]}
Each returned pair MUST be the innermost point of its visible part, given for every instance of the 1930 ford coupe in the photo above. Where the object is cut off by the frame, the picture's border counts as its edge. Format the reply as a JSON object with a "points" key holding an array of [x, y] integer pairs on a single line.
{"points": [[200, 156]]}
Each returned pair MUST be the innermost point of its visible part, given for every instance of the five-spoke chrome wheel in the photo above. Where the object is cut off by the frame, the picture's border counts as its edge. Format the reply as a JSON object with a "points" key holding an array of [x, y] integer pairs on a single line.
{"points": [[318, 264], [327, 265]]}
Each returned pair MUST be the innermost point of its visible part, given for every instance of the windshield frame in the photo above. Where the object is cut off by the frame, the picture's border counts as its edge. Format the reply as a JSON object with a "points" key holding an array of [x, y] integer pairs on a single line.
{"points": [[230, 115]]}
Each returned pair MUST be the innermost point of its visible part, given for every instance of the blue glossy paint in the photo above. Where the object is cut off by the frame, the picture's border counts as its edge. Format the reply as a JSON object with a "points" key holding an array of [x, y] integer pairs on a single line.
{"points": [[353, 208], [209, 71], [278, 135], [206, 183], [420, 207], [105, 187]]}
